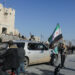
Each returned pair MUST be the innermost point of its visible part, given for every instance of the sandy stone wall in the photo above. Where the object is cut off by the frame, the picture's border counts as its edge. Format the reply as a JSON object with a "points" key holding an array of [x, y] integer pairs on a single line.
{"points": [[7, 20]]}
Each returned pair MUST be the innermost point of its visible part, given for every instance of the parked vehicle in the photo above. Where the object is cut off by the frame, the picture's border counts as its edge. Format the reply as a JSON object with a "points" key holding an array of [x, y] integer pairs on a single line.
{"points": [[35, 52]]}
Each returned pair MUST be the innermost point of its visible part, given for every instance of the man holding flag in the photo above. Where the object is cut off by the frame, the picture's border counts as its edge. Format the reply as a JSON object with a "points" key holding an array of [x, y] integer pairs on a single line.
{"points": [[55, 37]]}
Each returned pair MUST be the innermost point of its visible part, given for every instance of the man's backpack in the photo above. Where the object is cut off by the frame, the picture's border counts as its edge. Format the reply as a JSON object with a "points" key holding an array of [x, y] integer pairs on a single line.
{"points": [[11, 59]]}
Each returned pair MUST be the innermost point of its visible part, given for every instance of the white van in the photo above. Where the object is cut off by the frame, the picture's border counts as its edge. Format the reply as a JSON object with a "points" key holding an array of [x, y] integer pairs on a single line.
{"points": [[36, 52]]}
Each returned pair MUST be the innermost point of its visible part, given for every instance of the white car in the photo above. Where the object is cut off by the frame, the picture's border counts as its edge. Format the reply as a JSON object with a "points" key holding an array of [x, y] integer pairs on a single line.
{"points": [[35, 52]]}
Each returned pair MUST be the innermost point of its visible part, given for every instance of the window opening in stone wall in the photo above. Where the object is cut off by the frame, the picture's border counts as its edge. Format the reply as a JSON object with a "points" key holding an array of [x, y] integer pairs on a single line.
{"points": [[6, 13], [4, 30]]}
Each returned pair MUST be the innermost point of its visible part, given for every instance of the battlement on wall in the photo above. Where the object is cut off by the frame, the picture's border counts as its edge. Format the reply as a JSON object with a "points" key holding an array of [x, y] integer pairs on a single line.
{"points": [[9, 11]]}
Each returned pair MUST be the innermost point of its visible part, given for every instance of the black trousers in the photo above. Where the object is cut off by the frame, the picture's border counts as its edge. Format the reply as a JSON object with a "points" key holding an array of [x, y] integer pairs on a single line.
{"points": [[62, 60], [52, 59]]}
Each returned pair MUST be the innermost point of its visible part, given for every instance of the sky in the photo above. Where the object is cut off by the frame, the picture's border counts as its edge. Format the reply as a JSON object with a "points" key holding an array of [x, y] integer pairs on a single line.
{"points": [[40, 17]]}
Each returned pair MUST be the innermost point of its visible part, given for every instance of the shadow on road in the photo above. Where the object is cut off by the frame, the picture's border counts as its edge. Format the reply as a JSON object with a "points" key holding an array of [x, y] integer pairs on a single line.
{"points": [[47, 72], [44, 72], [39, 64], [69, 69], [71, 61]]}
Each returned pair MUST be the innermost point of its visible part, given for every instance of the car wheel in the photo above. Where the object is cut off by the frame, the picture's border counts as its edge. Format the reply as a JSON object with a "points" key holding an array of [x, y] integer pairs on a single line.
{"points": [[26, 62]]}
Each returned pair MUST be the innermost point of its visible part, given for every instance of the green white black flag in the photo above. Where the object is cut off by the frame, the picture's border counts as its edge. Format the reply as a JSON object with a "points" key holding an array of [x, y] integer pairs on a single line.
{"points": [[57, 35]]}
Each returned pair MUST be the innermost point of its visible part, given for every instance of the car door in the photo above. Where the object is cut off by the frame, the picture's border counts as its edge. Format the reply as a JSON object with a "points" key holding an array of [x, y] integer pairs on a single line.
{"points": [[46, 54], [34, 53], [41, 56]]}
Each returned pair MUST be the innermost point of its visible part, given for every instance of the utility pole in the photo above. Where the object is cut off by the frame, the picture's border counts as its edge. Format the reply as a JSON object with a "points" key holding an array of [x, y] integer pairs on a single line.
{"points": [[41, 37]]}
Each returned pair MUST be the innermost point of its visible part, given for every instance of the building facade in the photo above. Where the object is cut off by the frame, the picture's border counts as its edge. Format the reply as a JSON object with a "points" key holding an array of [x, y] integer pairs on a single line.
{"points": [[37, 38], [7, 21]]}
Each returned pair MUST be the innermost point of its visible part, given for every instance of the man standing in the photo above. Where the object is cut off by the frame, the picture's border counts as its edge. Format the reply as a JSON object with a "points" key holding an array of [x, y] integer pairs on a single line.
{"points": [[11, 60], [21, 54], [62, 53]]}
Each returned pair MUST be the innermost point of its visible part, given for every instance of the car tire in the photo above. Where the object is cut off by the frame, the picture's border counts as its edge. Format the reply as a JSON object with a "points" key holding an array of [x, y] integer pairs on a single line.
{"points": [[26, 62]]}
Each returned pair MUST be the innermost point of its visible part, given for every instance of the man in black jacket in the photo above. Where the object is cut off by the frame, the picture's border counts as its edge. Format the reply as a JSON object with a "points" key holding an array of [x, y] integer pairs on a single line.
{"points": [[11, 57]]}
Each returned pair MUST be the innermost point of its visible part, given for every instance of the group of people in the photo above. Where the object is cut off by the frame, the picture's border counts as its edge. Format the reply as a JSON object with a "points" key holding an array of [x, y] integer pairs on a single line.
{"points": [[13, 59], [57, 50], [14, 56]]}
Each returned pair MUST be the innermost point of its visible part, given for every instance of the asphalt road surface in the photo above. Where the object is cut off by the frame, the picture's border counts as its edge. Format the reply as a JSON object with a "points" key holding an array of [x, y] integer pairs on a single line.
{"points": [[46, 69]]}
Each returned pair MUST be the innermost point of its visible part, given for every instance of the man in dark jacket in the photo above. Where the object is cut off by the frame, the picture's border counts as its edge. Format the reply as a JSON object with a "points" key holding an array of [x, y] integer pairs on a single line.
{"points": [[12, 56], [62, 53], [21, 54]]}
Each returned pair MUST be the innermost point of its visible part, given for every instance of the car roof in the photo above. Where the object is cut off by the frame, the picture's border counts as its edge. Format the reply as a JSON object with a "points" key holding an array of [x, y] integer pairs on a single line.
{"points": [[23, 41]]}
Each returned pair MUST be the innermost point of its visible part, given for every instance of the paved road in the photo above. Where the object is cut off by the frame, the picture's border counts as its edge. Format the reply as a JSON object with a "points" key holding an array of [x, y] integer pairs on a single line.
{"points": [[45, 69]]}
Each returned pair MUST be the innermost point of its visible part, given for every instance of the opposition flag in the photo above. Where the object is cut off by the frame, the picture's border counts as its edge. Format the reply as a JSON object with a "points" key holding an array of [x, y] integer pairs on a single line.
{"points": [[57, 35]]}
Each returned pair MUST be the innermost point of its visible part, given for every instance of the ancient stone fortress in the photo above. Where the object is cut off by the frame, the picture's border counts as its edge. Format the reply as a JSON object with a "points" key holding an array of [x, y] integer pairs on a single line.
{"points": [[7, 21], [7, 25]]}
